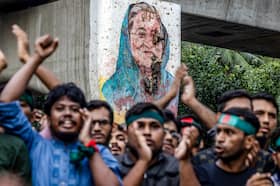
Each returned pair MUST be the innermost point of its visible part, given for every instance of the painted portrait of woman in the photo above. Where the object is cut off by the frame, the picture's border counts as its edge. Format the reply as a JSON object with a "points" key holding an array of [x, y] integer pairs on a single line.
{"points": [[144, 49]]}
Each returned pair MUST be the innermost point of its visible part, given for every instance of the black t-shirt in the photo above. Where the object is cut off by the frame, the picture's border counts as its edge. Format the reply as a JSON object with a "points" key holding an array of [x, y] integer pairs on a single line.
{"points": [[264, 159], [209, 174], [165, 172]]}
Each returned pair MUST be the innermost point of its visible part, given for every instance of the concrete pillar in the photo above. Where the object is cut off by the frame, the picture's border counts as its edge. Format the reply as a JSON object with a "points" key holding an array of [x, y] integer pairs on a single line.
{"points": [[66, 19]]}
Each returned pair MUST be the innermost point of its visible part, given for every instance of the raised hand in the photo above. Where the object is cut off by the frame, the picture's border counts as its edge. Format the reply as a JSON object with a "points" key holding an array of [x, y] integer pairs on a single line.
{"points": [[188, 91], [144, 151], [252, 156], [45, 46], [84, 135], [22, 43], [3, 61], [183, 151], [181, 72], [260, 179]]}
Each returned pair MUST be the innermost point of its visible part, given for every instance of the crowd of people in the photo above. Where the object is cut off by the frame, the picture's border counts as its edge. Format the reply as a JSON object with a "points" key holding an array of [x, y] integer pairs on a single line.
{"points": [[72, 141]]}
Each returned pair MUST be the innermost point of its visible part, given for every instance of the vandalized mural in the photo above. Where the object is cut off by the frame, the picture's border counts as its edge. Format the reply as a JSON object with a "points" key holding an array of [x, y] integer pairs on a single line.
{"points": [[144, 51]]}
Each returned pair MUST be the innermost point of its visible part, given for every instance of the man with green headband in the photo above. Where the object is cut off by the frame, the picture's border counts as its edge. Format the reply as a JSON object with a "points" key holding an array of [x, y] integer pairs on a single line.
{"points": [[26, 103], [144, 163], [275, 148], [190, 126], [234, 139]]}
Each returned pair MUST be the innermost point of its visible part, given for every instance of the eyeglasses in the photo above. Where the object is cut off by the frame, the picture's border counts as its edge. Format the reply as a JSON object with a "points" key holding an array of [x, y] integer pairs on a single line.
{"points": [[174, 134]]}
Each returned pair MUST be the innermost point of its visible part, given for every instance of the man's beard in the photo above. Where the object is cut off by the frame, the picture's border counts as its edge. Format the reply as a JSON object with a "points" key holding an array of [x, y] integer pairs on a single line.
{"points": [[63, 136], [232, 157]]}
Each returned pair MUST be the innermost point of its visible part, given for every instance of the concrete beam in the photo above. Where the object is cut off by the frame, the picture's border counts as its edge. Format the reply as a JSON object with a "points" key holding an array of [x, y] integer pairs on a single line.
{"points": [[246, 25], [66, 19]]}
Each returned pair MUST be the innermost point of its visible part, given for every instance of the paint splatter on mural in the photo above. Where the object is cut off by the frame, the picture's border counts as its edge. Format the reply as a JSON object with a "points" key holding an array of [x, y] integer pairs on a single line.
{"points": [[142, 69]]}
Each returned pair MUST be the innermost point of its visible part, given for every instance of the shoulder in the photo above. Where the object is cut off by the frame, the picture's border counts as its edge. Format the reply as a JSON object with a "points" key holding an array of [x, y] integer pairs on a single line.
{"points": [[107, 156], [170, 163], [11, 140], [10, 108], [204, 157], [10, 143]]}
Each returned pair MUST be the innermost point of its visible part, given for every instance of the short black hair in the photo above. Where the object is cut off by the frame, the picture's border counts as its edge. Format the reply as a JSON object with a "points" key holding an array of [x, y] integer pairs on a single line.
{"points": [[141, 107], [247, 115], [70, 90], [268, 97], [96, 104], [229, 95], [169, 116]]}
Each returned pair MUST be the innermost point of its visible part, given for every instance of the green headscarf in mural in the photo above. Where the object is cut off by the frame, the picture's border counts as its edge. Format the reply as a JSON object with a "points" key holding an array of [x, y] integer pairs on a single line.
{"points": [[131, 82]]}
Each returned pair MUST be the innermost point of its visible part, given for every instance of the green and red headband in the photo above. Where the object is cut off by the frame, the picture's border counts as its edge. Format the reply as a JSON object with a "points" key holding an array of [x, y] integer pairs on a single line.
{"points": [[276, 144], [146, 114], [238, 123], [189, 121], [27, 97]]}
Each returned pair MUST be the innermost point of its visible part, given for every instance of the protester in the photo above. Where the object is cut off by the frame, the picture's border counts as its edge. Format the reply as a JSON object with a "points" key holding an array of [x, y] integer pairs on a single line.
{"points": [[171, 129], [13, 152], [236, 131], [275, 148], [266, 109], [50, 159], [143, 162], [118, 139], [102, 121], [190, 126]]}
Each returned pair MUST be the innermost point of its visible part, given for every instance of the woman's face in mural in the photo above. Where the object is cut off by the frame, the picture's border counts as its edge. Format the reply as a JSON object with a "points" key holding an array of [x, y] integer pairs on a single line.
{"points": [[145, 43]]}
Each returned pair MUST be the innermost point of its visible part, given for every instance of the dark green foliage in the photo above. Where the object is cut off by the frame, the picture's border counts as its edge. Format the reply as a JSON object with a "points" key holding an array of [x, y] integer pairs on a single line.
{"points": [[216, 70]]}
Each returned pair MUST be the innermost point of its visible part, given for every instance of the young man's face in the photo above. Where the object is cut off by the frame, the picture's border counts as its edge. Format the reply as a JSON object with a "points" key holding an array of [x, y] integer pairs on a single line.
{"points": [[100, 126], [169, 141], [151, 129], [118, 142], [146, 27], [267, 115], [229, 142], [65, 118]]}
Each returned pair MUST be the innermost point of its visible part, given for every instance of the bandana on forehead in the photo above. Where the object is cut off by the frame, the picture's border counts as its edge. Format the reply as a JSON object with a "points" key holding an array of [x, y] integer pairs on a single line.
{"points": [[146, 114], [238, 123], [187, 120], [277, 142], [27, 98]]}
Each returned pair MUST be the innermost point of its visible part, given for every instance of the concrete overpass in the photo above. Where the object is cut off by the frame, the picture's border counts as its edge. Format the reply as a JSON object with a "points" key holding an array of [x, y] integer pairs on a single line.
{"points": [[246, 25]]}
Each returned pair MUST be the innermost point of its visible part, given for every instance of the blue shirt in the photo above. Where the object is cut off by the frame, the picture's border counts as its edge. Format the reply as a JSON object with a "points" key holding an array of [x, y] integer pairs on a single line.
{"points": [[50, 158]]}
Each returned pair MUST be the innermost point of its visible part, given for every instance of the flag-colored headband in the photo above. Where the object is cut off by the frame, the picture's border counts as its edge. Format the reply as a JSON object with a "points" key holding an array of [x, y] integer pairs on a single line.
{"points": [[146, 114], [238, 123]]}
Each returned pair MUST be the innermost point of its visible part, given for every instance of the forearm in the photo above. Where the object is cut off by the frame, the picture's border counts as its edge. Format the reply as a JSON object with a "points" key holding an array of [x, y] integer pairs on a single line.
{"points": [[187, 174], [101, 173], [47, 77], [205, 114], [163, 102], [19, 81], [15, 122], [136, 174]]}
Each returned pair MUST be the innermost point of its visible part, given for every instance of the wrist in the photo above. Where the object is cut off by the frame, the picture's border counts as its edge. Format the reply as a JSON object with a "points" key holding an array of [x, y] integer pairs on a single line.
{"points": [[143, 163], [190, 101], [92, 144], [24, 58], [145, 159]]}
